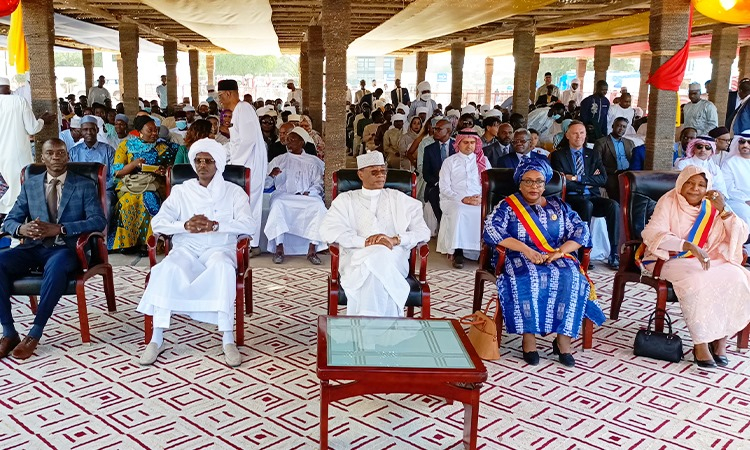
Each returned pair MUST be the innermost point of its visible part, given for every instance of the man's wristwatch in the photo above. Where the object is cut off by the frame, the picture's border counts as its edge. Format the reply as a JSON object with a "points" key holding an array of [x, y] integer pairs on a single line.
{"points": [[574, 178], [62, 230], [215, 227]]}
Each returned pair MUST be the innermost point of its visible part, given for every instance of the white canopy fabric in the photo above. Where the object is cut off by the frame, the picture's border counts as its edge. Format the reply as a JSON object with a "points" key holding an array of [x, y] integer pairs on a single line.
{"points": [[427, 19], [94, 35], [240, 26]]}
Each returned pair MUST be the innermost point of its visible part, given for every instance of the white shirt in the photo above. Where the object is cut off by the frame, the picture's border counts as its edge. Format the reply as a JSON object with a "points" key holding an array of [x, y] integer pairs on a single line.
{"points": [[616, 111], [459, 177], [98, 95], [736, 171], [570, 94], [161, 92], [701, 115], [299, 174], [295, 95]]}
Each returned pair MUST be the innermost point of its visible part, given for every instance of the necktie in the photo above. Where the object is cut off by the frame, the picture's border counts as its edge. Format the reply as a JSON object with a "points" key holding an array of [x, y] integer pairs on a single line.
{"points": [[579, 164], [52, 208], [399, 95], [443, 151]]}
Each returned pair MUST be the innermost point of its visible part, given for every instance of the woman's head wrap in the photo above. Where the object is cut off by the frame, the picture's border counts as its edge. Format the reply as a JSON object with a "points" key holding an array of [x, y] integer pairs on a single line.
{"points": [[688, 172], [210, 146], [141, 121], [528, 164], [705, 140]]}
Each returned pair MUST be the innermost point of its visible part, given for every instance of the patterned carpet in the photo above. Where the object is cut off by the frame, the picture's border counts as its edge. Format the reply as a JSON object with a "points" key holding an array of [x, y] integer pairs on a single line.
{"points": [[73, 396]]}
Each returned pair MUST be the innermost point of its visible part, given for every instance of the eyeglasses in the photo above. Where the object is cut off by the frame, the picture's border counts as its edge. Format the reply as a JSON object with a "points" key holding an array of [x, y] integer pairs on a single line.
{"points": [[204, 162], [703, 146], [530, 183], [519, 141], [742, 141]]}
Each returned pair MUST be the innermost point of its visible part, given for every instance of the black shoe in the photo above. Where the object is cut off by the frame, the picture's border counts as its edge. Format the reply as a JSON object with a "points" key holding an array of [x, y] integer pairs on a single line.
{"points": [[458, 259], [531, 358], [566, 359], [143, 252], [710, 364], [721, 360], [614, 262], [129, 250], [591, 267]]}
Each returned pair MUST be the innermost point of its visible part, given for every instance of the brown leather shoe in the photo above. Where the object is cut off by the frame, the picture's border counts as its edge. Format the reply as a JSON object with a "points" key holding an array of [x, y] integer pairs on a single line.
{"points": [[7, 344], [26, 348]]}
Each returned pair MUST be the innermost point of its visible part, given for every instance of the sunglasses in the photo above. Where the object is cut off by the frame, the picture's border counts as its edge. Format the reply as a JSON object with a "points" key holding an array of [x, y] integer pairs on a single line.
{"points": [[266, 122], [703, 146], [742, 141], [204, 161]]}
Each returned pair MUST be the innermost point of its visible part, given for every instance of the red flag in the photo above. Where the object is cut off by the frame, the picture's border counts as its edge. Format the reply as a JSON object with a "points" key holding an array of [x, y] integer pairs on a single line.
{"points": [[8, 6], [669, 76]]}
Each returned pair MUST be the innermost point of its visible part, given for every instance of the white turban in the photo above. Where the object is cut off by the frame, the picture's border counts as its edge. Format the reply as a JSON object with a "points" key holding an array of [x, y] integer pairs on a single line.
{"points": [[293, 118], [422, 109], [299, 131], [423, 86], [453, 112], [493, 113], [4, 81], [468, 109], [210, 146], [484, 108], [291, 109], [400, 117], [694, 86], [402, 107], [370, 159], [75, 122], [575, 80]]}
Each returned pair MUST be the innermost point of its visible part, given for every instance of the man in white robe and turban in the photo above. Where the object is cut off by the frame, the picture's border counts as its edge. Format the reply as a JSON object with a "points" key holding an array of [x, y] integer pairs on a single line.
{"points": [[376, 229], [247, 148], [573, 93], [424, 99], [699, 113], [197, 278], [297, 206]]}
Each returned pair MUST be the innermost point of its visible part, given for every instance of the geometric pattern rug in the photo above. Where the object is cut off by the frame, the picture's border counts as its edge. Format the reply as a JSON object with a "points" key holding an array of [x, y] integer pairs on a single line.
{"points": [[98, 396]]}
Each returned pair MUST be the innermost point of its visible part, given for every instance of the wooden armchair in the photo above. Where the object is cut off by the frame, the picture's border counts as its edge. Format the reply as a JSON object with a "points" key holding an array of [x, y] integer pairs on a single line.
{"points": [[91, 250], [419, 293], [639, 192], [240, 176], [496, 185]]}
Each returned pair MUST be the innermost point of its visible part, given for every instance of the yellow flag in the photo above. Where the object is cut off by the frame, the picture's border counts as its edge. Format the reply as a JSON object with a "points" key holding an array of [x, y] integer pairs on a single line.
{"points": [[18, 53], [679, 111]]}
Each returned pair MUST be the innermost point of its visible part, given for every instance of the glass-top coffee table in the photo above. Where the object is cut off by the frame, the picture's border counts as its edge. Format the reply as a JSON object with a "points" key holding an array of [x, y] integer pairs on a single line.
{"points": [[398, 356]]}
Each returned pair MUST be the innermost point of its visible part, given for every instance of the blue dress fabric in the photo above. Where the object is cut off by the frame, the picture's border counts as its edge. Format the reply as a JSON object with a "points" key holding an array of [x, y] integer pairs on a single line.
{"points": [[545, 298]]}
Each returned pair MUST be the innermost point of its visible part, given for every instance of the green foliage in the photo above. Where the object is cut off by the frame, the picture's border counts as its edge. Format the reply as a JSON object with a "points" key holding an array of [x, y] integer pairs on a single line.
{"points": [[75, 59], [241, 65]]}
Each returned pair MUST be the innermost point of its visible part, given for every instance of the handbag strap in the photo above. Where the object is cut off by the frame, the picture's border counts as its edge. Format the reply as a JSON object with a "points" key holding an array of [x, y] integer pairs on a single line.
{"points": [[493, 301], [471, 319], [667, 319]]}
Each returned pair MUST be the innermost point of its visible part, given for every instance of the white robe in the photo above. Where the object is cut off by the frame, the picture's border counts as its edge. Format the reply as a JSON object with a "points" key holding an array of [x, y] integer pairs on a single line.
{"points": [[247, 148], [374, 277], [570, 94], [616, 111], [546, 127], [17, 122], [461, 223], [736, 171], [197, 278], [294, 219], [710, 166], [702, 116]]}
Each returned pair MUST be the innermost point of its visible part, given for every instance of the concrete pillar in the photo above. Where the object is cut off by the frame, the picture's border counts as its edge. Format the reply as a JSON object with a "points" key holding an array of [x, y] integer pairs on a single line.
{"points": [[304, 71], [316, 53], [194, 81], [421, 67], [210, 65], [170, 61], [88, 68], [458, 51], [336, 19], [645, 70], [535, 62], [129, 53], [523, 54], [39, 28], [723, 51], [602, 56], [489, 68], [398, 67], [668, 27], [120, 77], [744, 62], [581, 71]]}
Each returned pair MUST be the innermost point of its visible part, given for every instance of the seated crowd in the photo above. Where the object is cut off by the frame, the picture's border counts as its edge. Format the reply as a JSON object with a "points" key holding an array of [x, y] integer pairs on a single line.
{"points": [[543, 288]]}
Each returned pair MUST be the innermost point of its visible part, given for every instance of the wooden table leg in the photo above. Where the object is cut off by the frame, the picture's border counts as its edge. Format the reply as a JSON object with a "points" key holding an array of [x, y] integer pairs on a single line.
{"points": [[471, 420], [324, 400]]}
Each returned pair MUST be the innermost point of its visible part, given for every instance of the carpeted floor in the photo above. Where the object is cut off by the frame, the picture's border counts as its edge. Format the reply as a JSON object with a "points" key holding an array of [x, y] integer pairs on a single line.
{"points": [[97, 396]]}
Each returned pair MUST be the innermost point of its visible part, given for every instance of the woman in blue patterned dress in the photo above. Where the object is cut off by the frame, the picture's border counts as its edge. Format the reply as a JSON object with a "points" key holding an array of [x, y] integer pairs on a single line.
{"points": [[541, 289], [136, 209]]}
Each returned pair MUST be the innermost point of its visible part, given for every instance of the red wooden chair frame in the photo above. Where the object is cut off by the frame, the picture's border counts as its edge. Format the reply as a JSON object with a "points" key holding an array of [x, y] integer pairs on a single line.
{"points": [[243, 280], [421, 252]]}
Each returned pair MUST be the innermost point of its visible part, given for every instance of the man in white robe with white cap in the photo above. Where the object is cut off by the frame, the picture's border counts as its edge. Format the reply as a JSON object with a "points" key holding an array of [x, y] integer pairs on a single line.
{"points": [[17, 123], [574, 93], [294, 94], [376, 229], [246, 148], [391, 141], [197, 278], [424, 100], [699, 113], [297, 206]]}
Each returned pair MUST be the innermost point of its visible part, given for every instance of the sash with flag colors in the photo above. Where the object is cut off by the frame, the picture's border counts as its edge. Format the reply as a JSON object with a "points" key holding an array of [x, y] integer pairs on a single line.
{"points": [[698, 234], [538, 233]]}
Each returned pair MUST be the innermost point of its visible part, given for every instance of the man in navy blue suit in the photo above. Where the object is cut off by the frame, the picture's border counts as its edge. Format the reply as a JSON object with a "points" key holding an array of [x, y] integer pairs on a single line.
{"points": [[51, 211], [434, 155], [521, 149], [585, 174]]}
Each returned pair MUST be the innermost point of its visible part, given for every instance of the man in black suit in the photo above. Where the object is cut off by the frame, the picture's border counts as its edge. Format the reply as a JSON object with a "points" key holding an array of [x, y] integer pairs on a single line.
{"points": [[434, 155], [51, 211], [370, 98], [521, 149], [735, 99], [585, 174], [616, 153], [400, 95]]}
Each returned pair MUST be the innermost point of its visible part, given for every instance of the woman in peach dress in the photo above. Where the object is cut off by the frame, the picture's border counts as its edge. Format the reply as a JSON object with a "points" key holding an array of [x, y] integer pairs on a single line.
{"points": [[713, 288]]}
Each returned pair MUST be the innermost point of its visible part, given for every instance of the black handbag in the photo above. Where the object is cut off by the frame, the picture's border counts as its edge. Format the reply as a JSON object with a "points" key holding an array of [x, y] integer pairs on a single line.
{"points": [[656, 345]]}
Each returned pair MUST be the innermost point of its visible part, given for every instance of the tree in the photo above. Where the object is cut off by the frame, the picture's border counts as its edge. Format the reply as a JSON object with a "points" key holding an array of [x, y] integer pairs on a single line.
{"points": [[69, 83]]}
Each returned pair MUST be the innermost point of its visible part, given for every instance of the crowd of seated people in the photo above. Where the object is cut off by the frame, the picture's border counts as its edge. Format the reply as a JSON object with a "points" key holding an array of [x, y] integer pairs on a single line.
{"points": [[449, 151]]}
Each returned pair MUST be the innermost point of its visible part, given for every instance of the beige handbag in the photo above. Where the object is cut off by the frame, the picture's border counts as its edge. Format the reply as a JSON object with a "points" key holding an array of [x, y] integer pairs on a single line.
{"points": [[483, 332], [138, 183]]}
